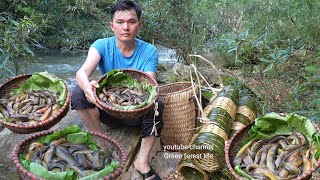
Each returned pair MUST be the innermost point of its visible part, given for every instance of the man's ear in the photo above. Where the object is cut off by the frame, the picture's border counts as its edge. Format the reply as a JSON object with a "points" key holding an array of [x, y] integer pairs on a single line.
{"points": [[140, 24], [111, 25]]}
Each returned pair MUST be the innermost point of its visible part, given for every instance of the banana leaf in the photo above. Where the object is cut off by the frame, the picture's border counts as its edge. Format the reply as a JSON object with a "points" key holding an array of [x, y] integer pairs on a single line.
{"points": [[43, 81], [104, 172], [39, 170], [73, 134], [116, 78]]}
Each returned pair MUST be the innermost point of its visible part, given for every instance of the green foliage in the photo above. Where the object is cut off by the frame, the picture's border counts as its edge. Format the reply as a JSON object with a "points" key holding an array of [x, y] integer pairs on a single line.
{"points": [[270, 41], [17, 37], [274, 59], [173, 23], [239, 47]]}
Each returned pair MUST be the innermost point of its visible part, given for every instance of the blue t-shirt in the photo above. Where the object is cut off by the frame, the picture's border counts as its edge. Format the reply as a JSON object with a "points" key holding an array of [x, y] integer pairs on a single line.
{"points": [[144, 57]]}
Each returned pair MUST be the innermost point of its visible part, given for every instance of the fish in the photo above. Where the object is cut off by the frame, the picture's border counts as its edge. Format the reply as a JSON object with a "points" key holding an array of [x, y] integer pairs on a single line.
{"points": [[247, 160], [5, 101], [60, 166], [306, 163], [258, 156], [65, 156], [271, 155], [46, 114], [49, 154], [4, 112], [264, 154], [94, 162], [81, 159], [77, 147], [291, 168], [279, 159]]}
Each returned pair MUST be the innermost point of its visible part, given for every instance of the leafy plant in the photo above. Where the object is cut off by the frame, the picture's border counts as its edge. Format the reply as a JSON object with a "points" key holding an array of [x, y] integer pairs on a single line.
{"points": [[274, 59], [241, 48], [17, 37]]}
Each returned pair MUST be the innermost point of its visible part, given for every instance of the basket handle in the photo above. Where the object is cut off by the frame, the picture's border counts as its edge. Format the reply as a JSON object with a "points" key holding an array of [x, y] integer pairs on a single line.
{"points": [[215, 91]]}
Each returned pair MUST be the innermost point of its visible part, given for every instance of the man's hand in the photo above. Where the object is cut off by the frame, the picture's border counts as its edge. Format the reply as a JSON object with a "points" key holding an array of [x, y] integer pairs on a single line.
{"points": [[89, 93]]}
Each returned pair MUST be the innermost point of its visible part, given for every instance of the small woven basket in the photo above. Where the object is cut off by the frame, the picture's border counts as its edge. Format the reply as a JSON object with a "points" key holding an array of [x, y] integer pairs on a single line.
{"points": [[129, 114], [23, 145], [233, 145], [179, 113], [13, 83]]}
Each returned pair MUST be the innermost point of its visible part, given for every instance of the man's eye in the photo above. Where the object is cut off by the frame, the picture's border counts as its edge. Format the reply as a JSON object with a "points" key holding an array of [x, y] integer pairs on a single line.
{"points": [[119, 22]]}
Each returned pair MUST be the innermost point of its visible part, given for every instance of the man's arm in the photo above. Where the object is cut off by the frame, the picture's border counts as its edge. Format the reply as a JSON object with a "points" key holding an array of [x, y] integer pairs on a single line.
{"points": [[83, 74], [152, 74]]}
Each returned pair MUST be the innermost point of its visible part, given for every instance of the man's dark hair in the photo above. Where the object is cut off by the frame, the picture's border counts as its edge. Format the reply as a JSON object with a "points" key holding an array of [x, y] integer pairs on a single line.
{"points": [[125, 5]]}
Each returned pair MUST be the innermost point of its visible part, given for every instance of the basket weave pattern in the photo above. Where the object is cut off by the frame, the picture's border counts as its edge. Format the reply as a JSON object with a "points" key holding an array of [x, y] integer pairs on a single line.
{"points": [[179, 113], [233, 146], [13, 83], [129, 114], [23, 145]]}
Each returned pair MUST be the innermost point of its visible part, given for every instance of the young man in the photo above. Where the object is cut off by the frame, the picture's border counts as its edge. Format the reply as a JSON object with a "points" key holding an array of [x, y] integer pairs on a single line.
{"points": [[123, 50]]}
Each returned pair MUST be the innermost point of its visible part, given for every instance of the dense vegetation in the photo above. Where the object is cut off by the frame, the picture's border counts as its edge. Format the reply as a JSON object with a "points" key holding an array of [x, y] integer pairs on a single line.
{"points": [[271, 45]]}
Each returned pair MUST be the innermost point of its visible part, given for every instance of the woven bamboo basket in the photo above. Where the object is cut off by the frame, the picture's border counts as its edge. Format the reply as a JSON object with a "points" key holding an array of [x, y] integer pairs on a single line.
{"points": [[129, 114], [179, 113], [23, 145], [232, 147], [13, 83]]}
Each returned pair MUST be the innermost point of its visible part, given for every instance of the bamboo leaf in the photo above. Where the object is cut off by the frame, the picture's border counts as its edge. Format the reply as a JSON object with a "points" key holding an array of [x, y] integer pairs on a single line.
{"points": [[264, 60], [5, 60], [25, 47]]}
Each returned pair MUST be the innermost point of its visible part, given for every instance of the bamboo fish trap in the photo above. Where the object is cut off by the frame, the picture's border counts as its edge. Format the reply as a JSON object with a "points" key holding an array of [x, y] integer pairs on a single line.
{"points": [[206, 148], [246, 112], [210, 139]]}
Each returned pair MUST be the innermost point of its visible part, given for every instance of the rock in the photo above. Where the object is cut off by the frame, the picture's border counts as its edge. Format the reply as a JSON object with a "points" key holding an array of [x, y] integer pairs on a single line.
{"points": [[181, 70]]}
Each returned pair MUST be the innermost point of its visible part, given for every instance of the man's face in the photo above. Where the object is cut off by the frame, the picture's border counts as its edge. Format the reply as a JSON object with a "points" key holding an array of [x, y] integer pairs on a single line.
{"points": [[125, 25]]}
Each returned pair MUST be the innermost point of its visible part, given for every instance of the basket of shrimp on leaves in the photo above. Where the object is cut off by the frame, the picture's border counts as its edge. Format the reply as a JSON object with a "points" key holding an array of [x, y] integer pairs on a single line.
{"points": [[126, 93], [275, 147], [32, 103], [69, 154]]}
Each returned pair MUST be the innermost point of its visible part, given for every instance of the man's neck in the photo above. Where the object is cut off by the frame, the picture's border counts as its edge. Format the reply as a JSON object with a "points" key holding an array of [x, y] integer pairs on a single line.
{"points": [[126, 48]]}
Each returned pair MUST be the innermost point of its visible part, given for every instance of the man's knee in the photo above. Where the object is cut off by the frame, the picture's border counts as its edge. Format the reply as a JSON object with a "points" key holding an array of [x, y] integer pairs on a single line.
{"points": [[79, 100], [160, 105]]}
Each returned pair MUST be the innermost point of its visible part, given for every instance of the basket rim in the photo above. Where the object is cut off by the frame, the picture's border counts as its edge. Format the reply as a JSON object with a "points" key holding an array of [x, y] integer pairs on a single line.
{"points": [[176, 92], [147, 107], [21, 169], [237, 133], [53, 118]]}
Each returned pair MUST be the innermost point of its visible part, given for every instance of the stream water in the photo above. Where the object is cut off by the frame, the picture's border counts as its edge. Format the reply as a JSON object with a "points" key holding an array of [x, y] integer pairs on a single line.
{"points": [[64, 65]]}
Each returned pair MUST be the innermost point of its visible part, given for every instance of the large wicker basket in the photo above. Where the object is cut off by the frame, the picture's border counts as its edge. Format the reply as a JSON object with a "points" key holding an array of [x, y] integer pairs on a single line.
{"points": [[129, 114], [233, 146], [179, 113], [13, 83], [23, 145]]}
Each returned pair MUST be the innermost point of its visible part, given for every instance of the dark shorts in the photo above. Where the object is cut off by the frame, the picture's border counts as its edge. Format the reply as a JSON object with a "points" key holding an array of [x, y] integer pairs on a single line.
{"points": [[79, 101]]}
